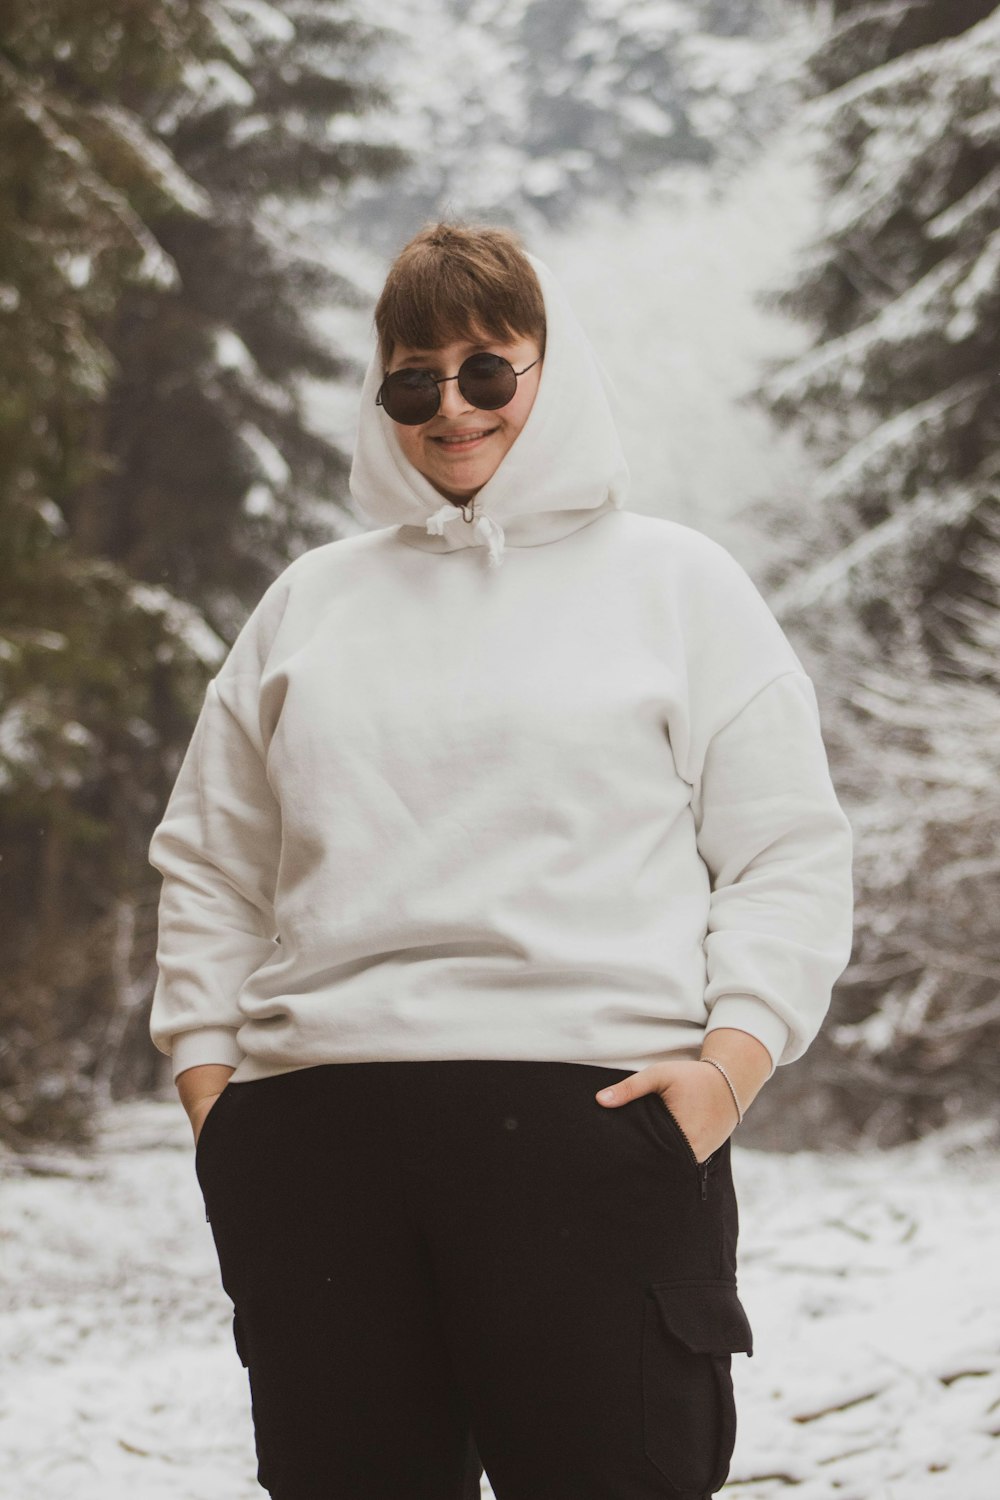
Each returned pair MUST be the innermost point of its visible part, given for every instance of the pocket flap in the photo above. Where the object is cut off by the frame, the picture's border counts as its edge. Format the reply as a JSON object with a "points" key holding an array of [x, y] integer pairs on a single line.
{"points": [[707, 1316]]}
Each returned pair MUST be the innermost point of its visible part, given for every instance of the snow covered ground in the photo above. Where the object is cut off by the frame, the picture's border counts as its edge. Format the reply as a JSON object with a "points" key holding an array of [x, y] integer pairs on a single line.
{"points": [[870, 1281]]}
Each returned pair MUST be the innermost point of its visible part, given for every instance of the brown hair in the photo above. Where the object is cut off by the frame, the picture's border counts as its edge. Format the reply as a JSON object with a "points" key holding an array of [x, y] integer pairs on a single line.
{"points": [[453, 280]]}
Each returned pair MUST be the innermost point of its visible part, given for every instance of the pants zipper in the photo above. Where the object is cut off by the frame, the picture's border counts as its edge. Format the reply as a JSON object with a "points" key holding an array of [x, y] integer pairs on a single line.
{"points": [[701, 1167]]}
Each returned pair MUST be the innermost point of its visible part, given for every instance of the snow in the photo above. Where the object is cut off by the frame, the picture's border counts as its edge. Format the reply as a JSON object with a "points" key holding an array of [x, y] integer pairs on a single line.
{"points": [[971, 214], [231, 353], [18, 746], [868, 1278], [48, 511], [938, 302], [259, 500], [727, 65], [490, 94], [973, 295], [644, 114], [157, 163], [886, 457], [77, 269], [156, 269], [229, 33], [270, 462], [831, 580], [888, 1260], [78, 734], [261, 21], [241, 26], [216, 84], [900, 119], [928, 73], [182, 620]]}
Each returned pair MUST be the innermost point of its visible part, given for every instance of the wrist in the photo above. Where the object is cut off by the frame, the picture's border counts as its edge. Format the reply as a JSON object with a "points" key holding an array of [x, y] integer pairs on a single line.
{"points": [[745, 1059], [204, 1081], [723, 1073]]}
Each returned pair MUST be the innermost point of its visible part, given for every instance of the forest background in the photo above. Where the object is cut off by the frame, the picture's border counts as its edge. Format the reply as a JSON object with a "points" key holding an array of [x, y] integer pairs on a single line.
{"points": [[780, 222]]}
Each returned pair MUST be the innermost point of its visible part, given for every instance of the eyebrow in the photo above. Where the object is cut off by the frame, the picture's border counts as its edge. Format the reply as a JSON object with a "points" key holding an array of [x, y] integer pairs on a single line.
{"points": [[429, 355]]}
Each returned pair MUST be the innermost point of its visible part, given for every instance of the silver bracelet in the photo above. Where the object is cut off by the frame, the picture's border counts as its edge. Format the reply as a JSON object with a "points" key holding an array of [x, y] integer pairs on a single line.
{"points": [[728, 1080]]}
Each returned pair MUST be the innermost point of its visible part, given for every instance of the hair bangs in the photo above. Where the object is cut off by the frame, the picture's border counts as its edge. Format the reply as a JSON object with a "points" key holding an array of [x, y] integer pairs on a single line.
{"points": [[452, 283]]}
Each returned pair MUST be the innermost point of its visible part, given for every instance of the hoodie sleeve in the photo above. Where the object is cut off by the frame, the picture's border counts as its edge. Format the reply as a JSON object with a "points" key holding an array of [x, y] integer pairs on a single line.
{"points": [[217, 848], [769, 827], [779, 850]]}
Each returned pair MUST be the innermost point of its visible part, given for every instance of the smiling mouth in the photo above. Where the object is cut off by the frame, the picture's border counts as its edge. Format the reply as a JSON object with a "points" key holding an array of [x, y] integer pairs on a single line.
{"points": [[456, 441]]}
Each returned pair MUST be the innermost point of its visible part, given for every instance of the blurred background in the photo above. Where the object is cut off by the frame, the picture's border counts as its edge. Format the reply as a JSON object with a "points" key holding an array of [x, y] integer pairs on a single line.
{"points": [[780, 224]]}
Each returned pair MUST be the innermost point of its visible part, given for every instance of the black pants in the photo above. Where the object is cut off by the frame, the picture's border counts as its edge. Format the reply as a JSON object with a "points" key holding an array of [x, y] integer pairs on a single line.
{"points": [[440, 1266]]}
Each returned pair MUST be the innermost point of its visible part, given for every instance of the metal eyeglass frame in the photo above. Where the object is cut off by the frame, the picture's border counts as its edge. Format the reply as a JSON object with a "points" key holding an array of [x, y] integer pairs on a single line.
{"points": [[440, 380]]}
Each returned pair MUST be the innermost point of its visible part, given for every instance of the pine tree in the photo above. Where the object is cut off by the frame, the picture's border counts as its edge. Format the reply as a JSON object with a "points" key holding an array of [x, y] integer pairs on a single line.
{"points": [[896, 585], [899, 392], [157, 467], [79, 649], [219, 478]]}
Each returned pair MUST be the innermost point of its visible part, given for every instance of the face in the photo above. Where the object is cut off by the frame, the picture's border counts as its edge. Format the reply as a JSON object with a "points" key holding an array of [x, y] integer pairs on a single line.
{"points": [[460, 448]]}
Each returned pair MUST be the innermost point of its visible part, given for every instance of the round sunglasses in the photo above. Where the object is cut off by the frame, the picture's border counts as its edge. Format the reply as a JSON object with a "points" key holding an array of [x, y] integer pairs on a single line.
{"points": [[487, 381]]}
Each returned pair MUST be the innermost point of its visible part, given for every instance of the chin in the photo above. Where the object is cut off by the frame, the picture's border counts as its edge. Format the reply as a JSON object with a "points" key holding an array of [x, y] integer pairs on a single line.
{"points": [[464, 490]]}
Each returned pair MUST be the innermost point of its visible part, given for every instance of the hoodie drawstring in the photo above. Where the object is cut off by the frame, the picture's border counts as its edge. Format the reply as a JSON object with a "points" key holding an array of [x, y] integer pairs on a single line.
{"points": [[489, 532]]}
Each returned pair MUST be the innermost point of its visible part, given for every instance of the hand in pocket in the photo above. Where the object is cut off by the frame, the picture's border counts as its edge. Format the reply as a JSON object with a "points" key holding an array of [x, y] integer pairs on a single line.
{"points": [[199, 1087], [697, 1096], [199, 1112]]}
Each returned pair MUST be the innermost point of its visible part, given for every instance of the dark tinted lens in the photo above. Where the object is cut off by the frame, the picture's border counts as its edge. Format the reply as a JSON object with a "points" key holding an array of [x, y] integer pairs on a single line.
{"points": [[487, 381], [410, 396]]}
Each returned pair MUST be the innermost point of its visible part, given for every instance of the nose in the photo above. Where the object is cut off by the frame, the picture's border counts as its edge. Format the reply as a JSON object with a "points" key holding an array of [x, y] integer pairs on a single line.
{"points": [[453, 403]]}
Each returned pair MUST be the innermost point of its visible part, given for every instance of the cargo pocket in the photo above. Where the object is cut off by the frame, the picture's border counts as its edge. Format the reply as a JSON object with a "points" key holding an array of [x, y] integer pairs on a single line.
{"points": [[240, 1340], [690, 1330]]}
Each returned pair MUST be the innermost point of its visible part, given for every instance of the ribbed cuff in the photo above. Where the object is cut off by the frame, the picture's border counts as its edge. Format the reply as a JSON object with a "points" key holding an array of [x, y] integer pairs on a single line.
{"points": [[751, 1014], [207, 1044]]}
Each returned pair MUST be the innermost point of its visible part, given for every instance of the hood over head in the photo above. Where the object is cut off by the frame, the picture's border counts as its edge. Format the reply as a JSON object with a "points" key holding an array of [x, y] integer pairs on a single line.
{"points": [[565, 468]]}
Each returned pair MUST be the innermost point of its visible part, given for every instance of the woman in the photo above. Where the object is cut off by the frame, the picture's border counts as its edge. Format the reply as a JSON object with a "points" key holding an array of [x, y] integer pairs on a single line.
{"points": [[503, 869]]}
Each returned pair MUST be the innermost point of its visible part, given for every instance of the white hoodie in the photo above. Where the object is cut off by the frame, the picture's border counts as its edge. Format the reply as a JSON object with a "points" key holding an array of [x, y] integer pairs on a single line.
{"points": [[547, 784]]}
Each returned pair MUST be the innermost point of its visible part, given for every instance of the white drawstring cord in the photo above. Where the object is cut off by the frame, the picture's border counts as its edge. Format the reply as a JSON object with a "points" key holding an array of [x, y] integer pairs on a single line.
{"points": [[448, 512], [489, 532]]}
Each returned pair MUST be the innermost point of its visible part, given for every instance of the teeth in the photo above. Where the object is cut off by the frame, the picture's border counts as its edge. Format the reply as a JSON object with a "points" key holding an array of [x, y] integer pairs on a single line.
{"points": [[469, 437]]}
